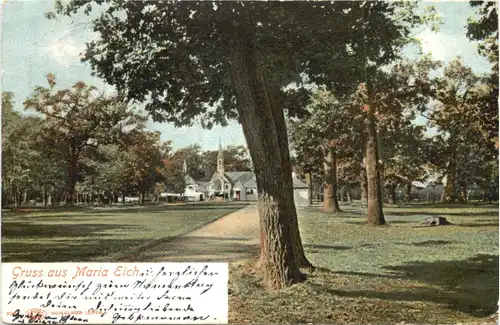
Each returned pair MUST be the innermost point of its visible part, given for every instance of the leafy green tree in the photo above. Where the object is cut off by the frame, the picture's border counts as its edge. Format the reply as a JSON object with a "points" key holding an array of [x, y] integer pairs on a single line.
{"points": [[327, 134], [78, 118], [406, 162], [16, 151], [174, 176], [484, 29], [461, 142], [231, 60], [143, 161], [29, 163]]}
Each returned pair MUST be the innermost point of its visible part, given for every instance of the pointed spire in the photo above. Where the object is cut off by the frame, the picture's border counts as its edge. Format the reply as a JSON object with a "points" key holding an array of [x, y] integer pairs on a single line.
{"points": [[185, 166]]}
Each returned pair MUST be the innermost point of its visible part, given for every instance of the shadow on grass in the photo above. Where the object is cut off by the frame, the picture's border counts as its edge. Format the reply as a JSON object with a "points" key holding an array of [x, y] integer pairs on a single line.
{"points": [[446, 205], [400, 221], [163, 209], [128, 208], [432, 213], [469, 286], [65, 250], [35, 230], [429, 243], [357, 223], [476, 225], [195, 248], [334, 247]]}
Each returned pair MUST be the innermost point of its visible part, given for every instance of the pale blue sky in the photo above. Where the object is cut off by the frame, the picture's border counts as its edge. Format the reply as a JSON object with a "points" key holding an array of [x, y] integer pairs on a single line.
{"points": [[33, 46]]}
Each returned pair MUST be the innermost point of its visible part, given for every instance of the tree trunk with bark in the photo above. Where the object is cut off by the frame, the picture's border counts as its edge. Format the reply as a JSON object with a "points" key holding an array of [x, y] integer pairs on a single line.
{"points": [[408, 192], [274, 93], [309, 181], [392, 193], [123, 197], [44, 196], [72, 174], [331, 203], [16, 199], [364, 186], [449, 192], [264, 129], [348, 194], [375, 211], [463, 192]]}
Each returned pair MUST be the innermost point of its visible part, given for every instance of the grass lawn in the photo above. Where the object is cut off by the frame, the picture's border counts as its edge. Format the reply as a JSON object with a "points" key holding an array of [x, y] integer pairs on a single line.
{"points": [[99, 234], [384, 275]]}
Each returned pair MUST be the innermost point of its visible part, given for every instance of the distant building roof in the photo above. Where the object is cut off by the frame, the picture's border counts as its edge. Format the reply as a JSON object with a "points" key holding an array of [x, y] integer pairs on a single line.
{"points": [[252, 182], [418, 184], [242, 177], [297, 183], [190, 180]]}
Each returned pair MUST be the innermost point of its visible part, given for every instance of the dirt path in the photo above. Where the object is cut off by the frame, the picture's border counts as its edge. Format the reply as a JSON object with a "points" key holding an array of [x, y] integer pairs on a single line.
{"points": [[231, 238]]}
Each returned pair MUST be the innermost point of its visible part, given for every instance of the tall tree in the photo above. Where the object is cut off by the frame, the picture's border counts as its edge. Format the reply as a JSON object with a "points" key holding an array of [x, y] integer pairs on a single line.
{"points": [[325, 135], [405, 163], [236, 57], [79, 117], [455, 115], [484, 29]]}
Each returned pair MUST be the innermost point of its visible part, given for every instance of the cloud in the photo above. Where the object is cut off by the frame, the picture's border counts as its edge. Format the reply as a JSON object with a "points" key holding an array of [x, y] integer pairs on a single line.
{"points": [[64, 51], [446, 47], [442, 46]]}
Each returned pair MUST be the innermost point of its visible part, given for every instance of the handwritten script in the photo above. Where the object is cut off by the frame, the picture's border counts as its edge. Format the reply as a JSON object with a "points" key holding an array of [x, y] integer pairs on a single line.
{"points": [[108, 293]]}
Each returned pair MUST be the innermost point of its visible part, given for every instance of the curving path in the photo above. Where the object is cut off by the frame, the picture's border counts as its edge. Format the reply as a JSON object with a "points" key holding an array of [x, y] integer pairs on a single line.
{"points": [[231, 238]]}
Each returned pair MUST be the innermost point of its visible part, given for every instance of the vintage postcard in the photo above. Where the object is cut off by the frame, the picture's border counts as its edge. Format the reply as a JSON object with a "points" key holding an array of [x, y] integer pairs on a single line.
{"points": [[250, 162]]}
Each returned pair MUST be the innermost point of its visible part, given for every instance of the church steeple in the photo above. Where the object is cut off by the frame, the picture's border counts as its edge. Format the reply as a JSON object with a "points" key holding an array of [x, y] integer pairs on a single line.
{"points": [[185, 167], [220, 160]]}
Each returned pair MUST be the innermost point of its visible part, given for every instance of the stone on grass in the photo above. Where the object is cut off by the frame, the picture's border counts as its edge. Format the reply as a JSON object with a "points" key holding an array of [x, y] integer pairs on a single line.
{"points": [[435, 221]]}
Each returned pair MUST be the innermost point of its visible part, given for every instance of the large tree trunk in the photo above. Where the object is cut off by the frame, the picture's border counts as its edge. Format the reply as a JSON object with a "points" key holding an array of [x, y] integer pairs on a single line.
{"points": [[49, 198], [16, 199], [331, 203], [392, 193], [123, 197], [449, 192], [262, 126], [44, 196], [463, 192], [274, 94], [72, 175], [375, 212], [408, 192], [364, 186], [309, 182]]}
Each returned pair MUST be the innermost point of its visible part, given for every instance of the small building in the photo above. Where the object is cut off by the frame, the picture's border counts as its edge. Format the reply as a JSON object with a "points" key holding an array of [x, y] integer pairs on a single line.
{"points": [[194, 191], [239, 185]]}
